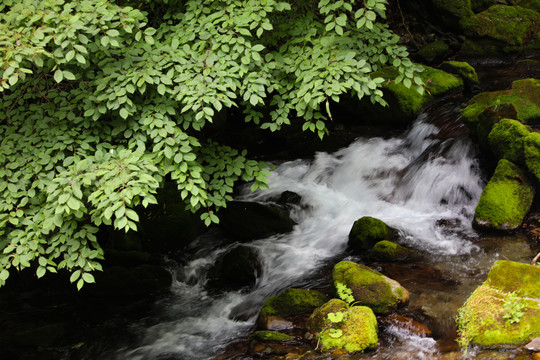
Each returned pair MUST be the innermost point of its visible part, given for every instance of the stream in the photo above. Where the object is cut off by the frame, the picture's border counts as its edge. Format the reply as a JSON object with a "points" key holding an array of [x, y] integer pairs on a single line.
{"points": [[424, 182]]}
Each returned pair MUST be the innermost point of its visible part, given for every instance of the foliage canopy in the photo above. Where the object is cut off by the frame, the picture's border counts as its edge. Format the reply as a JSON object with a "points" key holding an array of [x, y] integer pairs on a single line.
{"points": [[102, 101]]}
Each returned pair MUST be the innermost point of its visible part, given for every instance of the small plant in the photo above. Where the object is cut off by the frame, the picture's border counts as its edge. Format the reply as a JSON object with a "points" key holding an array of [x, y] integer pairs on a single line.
{"points": [[513, 307], [334, 318]]}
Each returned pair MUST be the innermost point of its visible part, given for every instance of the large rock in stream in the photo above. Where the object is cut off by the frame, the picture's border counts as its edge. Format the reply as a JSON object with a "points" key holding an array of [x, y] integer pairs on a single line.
{"points": [[370, 288], [506, 199], [239, 268], [505, 309], [367, 231]]}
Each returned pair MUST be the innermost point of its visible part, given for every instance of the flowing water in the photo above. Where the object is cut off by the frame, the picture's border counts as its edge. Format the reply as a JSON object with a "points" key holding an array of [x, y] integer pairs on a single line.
{"points": [[423, 183]]}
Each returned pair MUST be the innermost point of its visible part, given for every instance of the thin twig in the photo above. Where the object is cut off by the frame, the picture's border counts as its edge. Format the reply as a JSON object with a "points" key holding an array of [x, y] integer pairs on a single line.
{"points": [[405, 25], [533, 262]]}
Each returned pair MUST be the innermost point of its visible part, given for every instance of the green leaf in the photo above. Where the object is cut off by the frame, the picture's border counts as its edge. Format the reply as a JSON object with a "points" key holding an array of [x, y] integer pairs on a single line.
{"points": [[89, 278], [68, 75], [336, 317], [124, 113], [40, 271], [58, 75], [76, 274], [4, 275]]}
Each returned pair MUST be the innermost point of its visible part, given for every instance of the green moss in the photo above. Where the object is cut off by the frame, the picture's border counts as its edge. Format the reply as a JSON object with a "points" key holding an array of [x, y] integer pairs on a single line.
{"points": [[508, 24], [369, 287], [359, 330], [506, 140], [480, 5], [268, 335], [531, 150], [510, 276], [529, 4], [524, 96], [461, 69], [388, 250], [482, 321], [405, 103], [433, 51], [367, 231], [293, 302], [505, 200]]}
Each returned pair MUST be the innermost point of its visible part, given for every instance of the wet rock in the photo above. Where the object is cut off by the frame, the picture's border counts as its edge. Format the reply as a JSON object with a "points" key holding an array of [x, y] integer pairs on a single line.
{"points": [[533, 345], [370, 288], [524, 96], [410, 325], [293, 302], [504, 310], [506, 140], [237, 269], [366, 232], [289, 198], [506, 199], [246, 221], [266, 335], [275, 323], [358, 329]]}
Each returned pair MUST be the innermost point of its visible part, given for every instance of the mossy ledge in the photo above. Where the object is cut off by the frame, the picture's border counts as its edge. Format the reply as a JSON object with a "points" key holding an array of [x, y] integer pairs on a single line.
{"points": [[293, 302]]}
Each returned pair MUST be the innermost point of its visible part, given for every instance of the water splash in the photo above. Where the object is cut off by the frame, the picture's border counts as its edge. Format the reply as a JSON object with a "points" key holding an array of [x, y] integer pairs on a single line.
{"points": [[412, 183]]}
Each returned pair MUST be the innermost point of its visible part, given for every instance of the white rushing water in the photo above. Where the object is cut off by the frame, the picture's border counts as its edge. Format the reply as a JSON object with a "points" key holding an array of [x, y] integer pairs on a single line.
{"points": [[410, 182]]}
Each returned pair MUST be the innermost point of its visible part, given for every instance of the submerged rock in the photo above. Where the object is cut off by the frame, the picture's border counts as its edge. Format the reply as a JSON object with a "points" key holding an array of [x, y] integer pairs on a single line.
{"points": [[370, 288], [506, 199], [505, 309], [249, 220], [389, 251], [366, 232], [239, 268], [358, 329]]}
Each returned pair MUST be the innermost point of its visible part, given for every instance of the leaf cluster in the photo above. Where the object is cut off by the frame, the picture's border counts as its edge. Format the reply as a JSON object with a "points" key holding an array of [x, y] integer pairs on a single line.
{"points": [[103, 101]]}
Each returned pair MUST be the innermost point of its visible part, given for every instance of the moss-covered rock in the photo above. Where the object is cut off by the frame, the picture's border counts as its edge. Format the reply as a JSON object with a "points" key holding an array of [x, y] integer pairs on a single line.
{"points": [[293, 302], [268, 335], [511, 25], [370, 288], [405, 103], [504, 309], [450, 12], [529, 4], [524, 96], [359, 329], [389, 251], [366, 232], [531, 150], [462, 69], [481, 5], [433, 52], [506, 140], [506, 199]]}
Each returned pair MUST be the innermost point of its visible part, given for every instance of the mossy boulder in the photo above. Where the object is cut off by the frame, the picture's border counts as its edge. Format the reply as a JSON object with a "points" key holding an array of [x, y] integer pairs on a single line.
{"points": [[506, 140], [524, 97], [389, 251], [531, 150], [359, 329], [246, 220], [491, 318], [293, 302], [433, 52], [405, 103], [506, 199], [462, 69], [511, 25], [366, 232], [529, 4], [450, 12], [481, 5], [370, 288]]}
